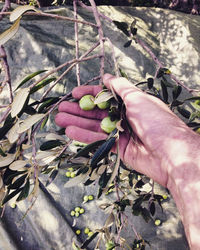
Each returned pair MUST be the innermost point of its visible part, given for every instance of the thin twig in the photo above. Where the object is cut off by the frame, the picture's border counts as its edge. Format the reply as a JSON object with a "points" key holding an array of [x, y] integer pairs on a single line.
{"points": [[89, 8], [76, 42], [54, 16], [101, 37], [5, 8], [65, 72], [64, 65]]}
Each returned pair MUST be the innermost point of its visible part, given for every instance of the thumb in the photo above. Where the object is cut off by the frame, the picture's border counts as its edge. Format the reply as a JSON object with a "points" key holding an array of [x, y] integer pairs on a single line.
{"points": [[120, 85]]}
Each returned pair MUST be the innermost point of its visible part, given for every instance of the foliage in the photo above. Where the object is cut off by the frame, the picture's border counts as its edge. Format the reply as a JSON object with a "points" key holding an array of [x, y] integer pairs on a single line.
{"points": [[22, 161]]}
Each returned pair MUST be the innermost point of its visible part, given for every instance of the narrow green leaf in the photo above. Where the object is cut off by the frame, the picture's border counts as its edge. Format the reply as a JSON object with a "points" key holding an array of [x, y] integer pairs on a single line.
{"points": [[9, 33], [87, 242], [18, 183], [102, 151], [50, 144], [25, 191], [122, 26], [128, 44], [194, 98], [152, 208], [150, 82], [10, 196], [2, 153], [19, 11], [164, 92], [46, 103], [123, 74], [52, 177], [89, 148], [9, 175], [19, 101], [145, 214], [176, 91], [185, 113], [44, 122], [29, 77], [42, 84]]}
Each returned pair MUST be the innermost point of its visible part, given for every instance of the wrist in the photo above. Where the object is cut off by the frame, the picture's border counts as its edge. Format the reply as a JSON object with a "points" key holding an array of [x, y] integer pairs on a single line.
{"points": [[184, 183]]}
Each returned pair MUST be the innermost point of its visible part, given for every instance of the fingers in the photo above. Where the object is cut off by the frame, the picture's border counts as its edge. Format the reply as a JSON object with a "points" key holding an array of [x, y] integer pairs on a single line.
{"points": [[80, 91], [84, 135], [74, 109], [120, 85], [64, 120]]}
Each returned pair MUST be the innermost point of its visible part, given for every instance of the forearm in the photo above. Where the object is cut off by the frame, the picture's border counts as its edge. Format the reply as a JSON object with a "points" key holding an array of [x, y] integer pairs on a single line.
{"points": [[184, 184]]}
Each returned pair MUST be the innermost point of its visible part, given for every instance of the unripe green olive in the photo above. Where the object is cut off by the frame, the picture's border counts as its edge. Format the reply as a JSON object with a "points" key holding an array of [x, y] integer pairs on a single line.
{"points": [[157, 222], [77, 209], [165, 196], [68, 174], [86, 230], [73, 213], [82, 211], [87, 102], [103, 105], [85, 198], [107, 125], [78, 231], [90, 234], [90, 197], [73, 175]]}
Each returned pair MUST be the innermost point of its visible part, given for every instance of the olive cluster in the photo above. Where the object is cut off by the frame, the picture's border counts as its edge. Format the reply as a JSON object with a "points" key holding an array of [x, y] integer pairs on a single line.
{"points": [[70, 173], [87, 103]]}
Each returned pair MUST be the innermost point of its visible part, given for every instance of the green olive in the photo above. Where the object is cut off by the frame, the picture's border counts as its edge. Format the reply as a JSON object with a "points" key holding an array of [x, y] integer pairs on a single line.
{"points": [[86, 230], [90, 234], [107, 125], [82, 211], [103, 105], [90, 197], [85, 198], [72, 213], [87, 102], [157, 222], [78, 231]]}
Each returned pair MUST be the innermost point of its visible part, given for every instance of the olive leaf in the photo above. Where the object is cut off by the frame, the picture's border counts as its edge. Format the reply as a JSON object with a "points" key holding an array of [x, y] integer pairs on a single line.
{"points": [[164, 92], [29, 122], [184, 112], [102, 151], [19, 101], [12, 133], [89, 148], [18, 183], [19, 11], [42, 84], [18, 165], [29, 77], [128, 44], [7, 160], [52, 177], [103, 96], [9, 33], [87, 242], [50, 144], [46, 103], [176, 91], [25, 191], [122, 26], [11, 195]]}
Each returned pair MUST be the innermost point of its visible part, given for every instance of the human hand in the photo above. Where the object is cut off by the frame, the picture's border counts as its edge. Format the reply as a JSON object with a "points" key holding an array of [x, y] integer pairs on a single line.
{"points": [[154, 126]]}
